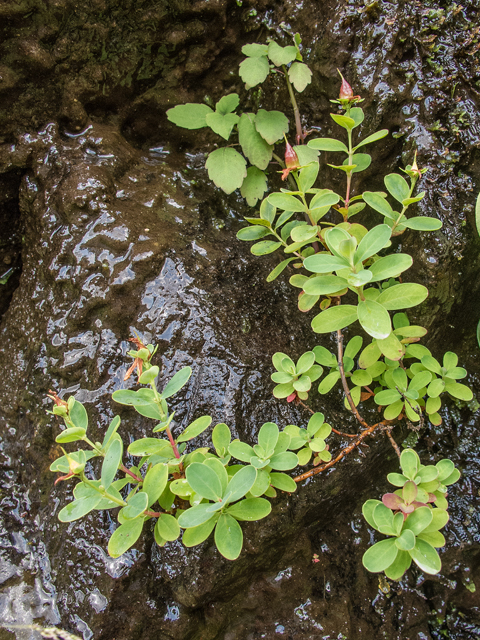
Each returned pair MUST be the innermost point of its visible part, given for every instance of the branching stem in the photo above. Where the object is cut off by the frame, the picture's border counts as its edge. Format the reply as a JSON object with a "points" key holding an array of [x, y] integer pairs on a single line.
{"points": [[313, 472]]}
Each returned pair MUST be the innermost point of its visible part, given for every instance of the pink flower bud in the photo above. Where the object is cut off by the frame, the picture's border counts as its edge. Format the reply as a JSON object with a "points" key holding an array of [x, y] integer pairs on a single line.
{"points": [[291, 158], [346, 91]]}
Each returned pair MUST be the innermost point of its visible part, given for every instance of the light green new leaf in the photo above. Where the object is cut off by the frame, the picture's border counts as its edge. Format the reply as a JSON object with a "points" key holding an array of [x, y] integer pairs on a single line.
{"points": [[124, 537], [255, 50], [422, 223], [189, 116], [278, 269], [241, 483], [197, 427], [149, 447], [167, 527], [226, 167], [271, 125], [324, 263], [402, 296], [284, 461], [372, 138], [196, 516], [221, 436], [426, 557], [308, 176], [327, 144], [254, 147], [79, 508], [155, 483], [367, 509], [137, 504], [300, 76], [227, 104], [204, 481], [178, 381], [391, 347], [251, 509], [361, 161], [402, 563], [390, 266], [286, 202], [460, 391], [70, 435], [255, 232], [142, 397], [195, 535], [228, 537], [419, 520], [373, 242], [111, 462], [324, 285], [265, 247], [281, 55], [254, 186], [334, 318], [222, 124], [268, 436], [374, 319], [344, 121], [78, 415], [377, 202], [254, 70], [112, 429], [283, 482], [397, 186], [406, 541], [380, 556]]}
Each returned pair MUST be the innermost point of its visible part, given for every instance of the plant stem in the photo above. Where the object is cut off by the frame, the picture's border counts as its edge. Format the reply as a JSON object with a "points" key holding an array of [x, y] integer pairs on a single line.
{"points": [[296, 112], [91, 444], [349, 174], [313, 472], [172, 442], [123, 468], [152, 514], [388, 431], [344, 380], [104, 493]]}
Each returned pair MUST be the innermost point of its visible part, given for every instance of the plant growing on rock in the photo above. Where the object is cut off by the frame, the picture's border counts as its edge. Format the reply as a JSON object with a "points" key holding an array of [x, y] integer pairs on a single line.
{"points": [[345, 272]]}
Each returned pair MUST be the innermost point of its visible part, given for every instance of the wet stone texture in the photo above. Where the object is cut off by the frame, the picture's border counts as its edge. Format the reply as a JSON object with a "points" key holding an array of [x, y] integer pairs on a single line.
{"points": [[109, 226]]}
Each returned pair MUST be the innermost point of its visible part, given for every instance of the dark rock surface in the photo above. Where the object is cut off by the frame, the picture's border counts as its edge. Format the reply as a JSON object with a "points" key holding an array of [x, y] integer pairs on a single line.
{"points": [[110, 226]]}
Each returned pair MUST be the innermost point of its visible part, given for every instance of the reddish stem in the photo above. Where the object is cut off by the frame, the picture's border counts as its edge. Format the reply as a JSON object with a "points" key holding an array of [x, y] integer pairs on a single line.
{"points": [[130, 473], [341, 455], [152, 514], [172, 442]]}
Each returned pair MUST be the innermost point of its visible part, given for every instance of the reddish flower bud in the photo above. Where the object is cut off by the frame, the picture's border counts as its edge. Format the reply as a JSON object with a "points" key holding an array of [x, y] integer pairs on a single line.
{"points": [[346, 91], [291, 158]]}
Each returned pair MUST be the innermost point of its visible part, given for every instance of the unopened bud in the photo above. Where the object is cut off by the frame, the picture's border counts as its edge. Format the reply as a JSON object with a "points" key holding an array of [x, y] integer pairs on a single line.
{"points": [[346, 91], [291, 158]]}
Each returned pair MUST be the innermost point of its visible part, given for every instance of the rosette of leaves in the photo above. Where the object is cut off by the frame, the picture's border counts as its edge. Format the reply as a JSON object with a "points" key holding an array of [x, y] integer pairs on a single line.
{"points": [[270, 457], [294, 378], [222, 506], [413, 527], [428, 380], [431, 480], [311, 441]]}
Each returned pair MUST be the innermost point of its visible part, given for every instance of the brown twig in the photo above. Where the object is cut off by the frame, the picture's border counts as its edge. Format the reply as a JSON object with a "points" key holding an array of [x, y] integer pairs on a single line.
{"points": [[388, 431], [342, 454], [344, 379], [339, 433]]}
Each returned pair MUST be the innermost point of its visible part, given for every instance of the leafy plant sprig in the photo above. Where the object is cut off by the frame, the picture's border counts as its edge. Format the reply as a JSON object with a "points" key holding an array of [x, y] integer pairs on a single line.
{"points": [[348, 273]]}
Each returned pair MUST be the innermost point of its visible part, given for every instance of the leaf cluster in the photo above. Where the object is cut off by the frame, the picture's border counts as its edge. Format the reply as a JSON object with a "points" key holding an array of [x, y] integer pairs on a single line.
{"points": [[409, 519]]}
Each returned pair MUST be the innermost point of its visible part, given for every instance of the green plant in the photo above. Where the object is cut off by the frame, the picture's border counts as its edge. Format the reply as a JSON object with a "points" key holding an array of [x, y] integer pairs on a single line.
{"points": [[348, 273]]}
